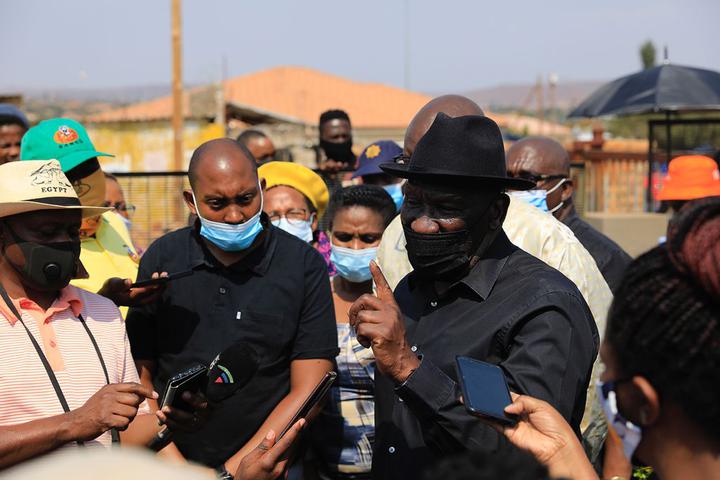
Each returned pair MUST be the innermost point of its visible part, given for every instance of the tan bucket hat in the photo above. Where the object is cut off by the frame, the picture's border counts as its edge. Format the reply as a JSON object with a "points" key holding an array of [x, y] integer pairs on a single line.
{"points": [[33, 185]]}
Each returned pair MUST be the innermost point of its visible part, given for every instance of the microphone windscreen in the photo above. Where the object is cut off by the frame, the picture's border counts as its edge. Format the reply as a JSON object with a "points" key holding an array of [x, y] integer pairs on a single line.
{"points": [[231, 370]]}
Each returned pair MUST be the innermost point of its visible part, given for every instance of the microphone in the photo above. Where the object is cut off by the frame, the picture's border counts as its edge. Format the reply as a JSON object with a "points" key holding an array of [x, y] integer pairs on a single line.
{"points": [[230, 371]]}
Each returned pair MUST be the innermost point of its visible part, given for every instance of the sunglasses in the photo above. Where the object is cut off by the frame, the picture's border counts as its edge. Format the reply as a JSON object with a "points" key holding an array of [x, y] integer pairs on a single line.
{"points": [[534, 177]]}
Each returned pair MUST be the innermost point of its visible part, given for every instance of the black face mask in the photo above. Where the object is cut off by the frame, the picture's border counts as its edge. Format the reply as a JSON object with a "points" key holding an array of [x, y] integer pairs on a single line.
{"points": [[439, 256], [48, 266], [340, 152]]}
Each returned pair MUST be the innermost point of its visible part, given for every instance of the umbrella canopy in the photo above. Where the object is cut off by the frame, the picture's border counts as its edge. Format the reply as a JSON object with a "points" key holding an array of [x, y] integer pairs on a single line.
{"points": [[664, 88]]}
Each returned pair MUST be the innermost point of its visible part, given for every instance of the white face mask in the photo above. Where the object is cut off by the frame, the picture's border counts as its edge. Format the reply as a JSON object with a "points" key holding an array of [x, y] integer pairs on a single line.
{"points": [[300, 229], [629, 433]]}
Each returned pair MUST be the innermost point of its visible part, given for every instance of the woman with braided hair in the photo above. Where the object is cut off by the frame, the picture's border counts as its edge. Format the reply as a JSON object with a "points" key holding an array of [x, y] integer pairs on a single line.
{"points": [[661, 388]]}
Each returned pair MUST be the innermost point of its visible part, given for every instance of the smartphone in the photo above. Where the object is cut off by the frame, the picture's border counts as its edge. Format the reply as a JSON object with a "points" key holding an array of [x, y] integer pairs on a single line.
{"points": [[312, 400], [193, 380], [485, 389], [161, 280]]}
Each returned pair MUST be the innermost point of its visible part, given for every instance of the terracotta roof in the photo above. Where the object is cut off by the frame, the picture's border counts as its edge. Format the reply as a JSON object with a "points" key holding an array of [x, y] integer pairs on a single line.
{"points": [[296, 93]]}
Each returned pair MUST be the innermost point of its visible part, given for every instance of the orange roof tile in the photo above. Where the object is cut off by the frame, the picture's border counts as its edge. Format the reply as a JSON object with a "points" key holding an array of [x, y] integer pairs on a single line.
{"points": [[298, 93]]}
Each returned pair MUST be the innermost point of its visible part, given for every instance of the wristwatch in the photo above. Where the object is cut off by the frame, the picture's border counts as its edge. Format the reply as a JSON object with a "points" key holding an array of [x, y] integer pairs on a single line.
{"points": [[223, 474]]}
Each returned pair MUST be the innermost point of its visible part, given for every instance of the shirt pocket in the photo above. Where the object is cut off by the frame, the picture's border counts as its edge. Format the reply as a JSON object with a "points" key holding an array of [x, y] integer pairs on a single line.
{"points": [[268, 333]]}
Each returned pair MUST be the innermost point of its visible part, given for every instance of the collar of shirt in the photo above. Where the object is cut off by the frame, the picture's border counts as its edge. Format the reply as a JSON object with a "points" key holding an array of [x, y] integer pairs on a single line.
{"points": [[482, 277], [257, 260], [68, 298], [571, 217]]}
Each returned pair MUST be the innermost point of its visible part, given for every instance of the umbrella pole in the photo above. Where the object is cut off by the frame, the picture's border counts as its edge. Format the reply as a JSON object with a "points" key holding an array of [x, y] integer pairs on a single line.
{"points": [[669, 136], [649, 192]]}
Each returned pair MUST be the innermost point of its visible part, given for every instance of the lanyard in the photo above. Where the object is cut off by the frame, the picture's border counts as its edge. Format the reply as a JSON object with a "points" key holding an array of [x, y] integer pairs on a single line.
{"points": [[48, 369]]}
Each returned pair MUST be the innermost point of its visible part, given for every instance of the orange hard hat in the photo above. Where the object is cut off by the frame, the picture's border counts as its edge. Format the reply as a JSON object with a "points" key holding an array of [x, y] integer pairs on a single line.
{"points": [[690, 177]]}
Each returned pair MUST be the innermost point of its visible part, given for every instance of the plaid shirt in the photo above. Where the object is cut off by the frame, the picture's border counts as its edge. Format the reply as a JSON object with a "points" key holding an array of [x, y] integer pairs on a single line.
{"points": [[344, 432]]}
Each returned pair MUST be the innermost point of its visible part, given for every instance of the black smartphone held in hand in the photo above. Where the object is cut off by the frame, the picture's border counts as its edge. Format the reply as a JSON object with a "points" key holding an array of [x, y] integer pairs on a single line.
{"points": [[193, 380], [485, 389], [312, 400], [161, 280]]}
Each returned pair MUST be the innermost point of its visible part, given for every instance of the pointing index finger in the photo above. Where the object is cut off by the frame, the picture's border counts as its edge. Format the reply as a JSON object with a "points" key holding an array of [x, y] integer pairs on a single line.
{"points": [[384, 292], [137, 388]]}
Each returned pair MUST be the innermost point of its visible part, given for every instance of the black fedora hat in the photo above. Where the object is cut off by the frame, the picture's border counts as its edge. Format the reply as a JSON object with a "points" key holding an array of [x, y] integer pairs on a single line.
{"points": [[466, 150]]}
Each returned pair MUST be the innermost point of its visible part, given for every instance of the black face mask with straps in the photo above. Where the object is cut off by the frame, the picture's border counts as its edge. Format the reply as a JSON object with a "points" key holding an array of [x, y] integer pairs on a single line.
{"points": [[48, 267]]}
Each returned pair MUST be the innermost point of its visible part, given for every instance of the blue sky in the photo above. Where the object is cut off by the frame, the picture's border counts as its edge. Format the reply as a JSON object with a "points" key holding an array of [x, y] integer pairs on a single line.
{"points": [[455, 45]]}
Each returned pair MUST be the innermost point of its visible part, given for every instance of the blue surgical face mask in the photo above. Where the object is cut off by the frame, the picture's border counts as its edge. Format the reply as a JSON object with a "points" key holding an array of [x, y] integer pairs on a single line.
{"points": [[395, 191], [231, 237], [629, 433], [353, 265], [536, 198], [300, 229]]}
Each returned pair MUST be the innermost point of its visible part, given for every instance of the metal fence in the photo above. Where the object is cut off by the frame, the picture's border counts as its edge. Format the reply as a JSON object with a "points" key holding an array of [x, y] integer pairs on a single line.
{"points": [[160, 208], [158, 201]]}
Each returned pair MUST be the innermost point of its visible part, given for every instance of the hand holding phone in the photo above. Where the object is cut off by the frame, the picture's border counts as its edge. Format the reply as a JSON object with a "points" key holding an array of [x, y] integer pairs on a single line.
{"points": [[485, 389], [193, 380], [313, 400], [161, 280]]}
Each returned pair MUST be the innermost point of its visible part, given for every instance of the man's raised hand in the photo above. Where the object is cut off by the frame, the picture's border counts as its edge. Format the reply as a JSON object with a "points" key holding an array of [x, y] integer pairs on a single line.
{"points": [[379, 324]]}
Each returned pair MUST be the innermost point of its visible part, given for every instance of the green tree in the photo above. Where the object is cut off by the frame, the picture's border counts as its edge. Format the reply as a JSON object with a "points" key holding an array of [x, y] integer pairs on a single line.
{"points": [[648, 54]]}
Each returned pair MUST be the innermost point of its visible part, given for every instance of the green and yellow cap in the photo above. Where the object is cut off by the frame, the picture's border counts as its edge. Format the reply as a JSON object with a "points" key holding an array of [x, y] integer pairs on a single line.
{"points": [[60, 138]]}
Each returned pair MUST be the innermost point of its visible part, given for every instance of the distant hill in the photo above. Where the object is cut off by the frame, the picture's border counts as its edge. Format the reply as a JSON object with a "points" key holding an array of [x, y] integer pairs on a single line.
{"points": [[118, 95], [78, 103], [504, 97]]}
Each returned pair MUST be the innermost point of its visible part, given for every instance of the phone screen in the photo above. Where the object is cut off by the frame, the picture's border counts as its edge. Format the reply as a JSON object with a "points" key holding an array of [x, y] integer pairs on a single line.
{"points": [[311, 401], [485, 390]]}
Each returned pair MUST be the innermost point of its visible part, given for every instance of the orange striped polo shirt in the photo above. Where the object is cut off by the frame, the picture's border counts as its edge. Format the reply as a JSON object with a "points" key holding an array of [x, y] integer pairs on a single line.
{"points": [[26, 393]]}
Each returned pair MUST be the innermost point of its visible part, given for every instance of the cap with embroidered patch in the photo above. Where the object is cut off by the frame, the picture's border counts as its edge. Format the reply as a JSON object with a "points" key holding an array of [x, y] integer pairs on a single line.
{"points": [[61, 138], [382, 151]]}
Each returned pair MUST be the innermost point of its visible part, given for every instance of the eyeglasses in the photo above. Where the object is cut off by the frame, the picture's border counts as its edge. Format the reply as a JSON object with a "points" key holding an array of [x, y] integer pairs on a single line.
{"points": [[120, 207], [296, 216], [535, 177]]}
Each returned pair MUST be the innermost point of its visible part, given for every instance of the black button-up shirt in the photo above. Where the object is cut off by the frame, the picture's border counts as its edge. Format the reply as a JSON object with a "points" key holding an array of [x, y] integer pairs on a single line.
{"points": [[512, 310], [611, 259], [277, 298]]}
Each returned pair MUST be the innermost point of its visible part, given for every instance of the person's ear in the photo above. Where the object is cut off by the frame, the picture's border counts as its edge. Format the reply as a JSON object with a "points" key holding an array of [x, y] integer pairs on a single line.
{"points": [[644, 402], [263, 185], [498, 210], [188, 197], [314, 223], [568, 189]]}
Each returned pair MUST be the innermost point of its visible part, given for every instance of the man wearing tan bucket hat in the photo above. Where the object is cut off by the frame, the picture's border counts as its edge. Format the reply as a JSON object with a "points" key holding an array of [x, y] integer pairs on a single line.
{"points": [[66, 373]]}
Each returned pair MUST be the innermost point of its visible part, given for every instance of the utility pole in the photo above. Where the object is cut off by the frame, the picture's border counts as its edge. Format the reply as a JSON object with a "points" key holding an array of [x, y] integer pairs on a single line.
{"points": [[177, 113], [540, 106], [552, 84], [406, 59]]}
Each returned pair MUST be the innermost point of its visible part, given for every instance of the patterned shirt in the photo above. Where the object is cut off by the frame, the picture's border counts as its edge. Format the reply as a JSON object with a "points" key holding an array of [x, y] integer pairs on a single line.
{"points": [[324, 247], [344, 432], [26, 393]]}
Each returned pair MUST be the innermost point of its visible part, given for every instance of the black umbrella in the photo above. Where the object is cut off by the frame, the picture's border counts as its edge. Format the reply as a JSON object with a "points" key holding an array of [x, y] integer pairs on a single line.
{"points": [[666, 88]]}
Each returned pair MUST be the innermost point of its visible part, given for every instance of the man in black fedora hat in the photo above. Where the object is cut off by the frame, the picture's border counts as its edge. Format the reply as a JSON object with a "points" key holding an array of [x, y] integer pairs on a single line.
{"points": [[471, 293]]}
